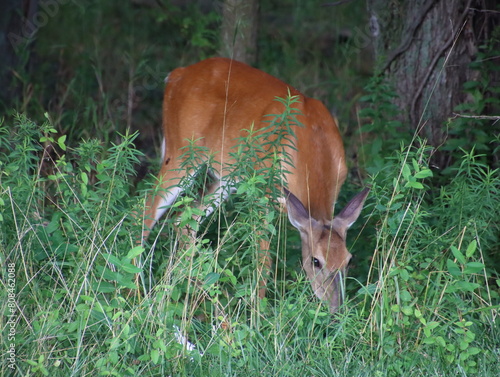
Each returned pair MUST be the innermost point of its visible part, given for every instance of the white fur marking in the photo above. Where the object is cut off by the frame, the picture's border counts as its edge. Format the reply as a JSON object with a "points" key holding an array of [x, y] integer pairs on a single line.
{"points": [[163, 150], [220, 194]]}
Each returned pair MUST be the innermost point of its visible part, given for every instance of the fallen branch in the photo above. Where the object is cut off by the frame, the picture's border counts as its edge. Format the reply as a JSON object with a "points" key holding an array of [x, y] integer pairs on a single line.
{"points": [[487, 117]]}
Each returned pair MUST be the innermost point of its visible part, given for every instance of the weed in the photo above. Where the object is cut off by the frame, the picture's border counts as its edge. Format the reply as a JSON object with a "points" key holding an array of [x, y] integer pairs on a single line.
{"points": [[429, 295]]}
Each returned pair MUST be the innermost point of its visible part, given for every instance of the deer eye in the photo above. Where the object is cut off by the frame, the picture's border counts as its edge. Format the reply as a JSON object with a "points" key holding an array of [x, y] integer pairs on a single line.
{"points": [[316, 263]]}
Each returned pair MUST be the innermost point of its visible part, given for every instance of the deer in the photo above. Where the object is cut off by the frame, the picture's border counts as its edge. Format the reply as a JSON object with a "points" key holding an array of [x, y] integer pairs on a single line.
{"points": [[214, 101]]}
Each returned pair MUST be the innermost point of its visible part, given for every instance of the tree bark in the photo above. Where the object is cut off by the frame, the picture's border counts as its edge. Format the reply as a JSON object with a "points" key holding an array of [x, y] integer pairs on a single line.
{"points": [[425, 48], [239, 30]]}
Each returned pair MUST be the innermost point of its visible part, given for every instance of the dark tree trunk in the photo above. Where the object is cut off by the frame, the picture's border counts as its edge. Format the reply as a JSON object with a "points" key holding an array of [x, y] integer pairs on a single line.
{"points": [[425, 48], [239, 30]]}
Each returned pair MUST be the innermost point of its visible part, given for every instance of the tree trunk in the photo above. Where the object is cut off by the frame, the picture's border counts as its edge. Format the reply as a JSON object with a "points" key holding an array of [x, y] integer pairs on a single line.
{"points": [[425, 48], [239, 30]]}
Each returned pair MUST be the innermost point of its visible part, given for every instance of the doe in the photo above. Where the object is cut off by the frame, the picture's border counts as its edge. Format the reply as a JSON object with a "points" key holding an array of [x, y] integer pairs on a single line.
{"points": [[214, 102]]}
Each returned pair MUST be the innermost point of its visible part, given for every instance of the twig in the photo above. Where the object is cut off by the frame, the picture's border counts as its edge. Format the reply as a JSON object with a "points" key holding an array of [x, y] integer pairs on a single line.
{"points": [[486, 117], [485, 10]]}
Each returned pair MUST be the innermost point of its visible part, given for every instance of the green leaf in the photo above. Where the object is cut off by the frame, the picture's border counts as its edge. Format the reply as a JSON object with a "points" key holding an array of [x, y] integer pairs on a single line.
{"points": [[458, 255], [103, 287], [423, 174], [466, 286], [396, 206], [407, 310], [432, 325], [470, 336], [211, 278], [106, 273], [112, 259], [464, 356], [85, 178], [125, 282], [231, 276], [473, 350], [440, 340], [125, 331], [404, 274], [405, 295], [62, 142], [155, 356], [406, 172], [414, 162], [370, 290], [130, 268], [453, 268], [134, 252], [161, 345], [462, 345], [415, 185], [471, 249], [473, 267], [450, 347]]}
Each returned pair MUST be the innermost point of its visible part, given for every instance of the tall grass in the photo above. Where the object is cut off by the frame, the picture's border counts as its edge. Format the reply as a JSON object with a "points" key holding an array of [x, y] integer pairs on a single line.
{"points": [[429, 305]]}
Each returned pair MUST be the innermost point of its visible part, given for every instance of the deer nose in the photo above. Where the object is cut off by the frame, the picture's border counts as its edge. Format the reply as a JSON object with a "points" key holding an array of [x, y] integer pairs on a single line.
{"points": [[350, 259]]}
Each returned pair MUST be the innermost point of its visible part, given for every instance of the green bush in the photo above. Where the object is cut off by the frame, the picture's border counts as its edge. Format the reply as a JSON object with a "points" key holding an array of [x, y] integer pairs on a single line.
{"points": [[432, 287]]}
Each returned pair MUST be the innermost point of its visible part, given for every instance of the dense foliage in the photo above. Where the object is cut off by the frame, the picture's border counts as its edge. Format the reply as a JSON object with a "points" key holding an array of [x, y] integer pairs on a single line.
{"points": [[82, 298]]}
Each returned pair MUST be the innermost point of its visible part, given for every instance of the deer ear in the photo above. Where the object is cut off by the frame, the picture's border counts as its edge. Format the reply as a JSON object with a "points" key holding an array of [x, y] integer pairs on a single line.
{"points": [[350, 213], [297, 213]]}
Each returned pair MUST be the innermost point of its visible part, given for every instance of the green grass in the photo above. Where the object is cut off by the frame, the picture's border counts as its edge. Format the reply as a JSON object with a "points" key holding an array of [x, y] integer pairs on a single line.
{"points": [[429, 305]]}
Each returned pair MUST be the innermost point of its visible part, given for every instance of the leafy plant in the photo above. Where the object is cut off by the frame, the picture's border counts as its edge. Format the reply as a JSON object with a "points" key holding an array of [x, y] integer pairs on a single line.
{"points": [[69, 232], [381, 115], [429, 287]]}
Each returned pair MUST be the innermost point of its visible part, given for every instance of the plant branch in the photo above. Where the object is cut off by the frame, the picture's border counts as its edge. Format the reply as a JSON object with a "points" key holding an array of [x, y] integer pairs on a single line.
{"points": [[482, 117]]}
